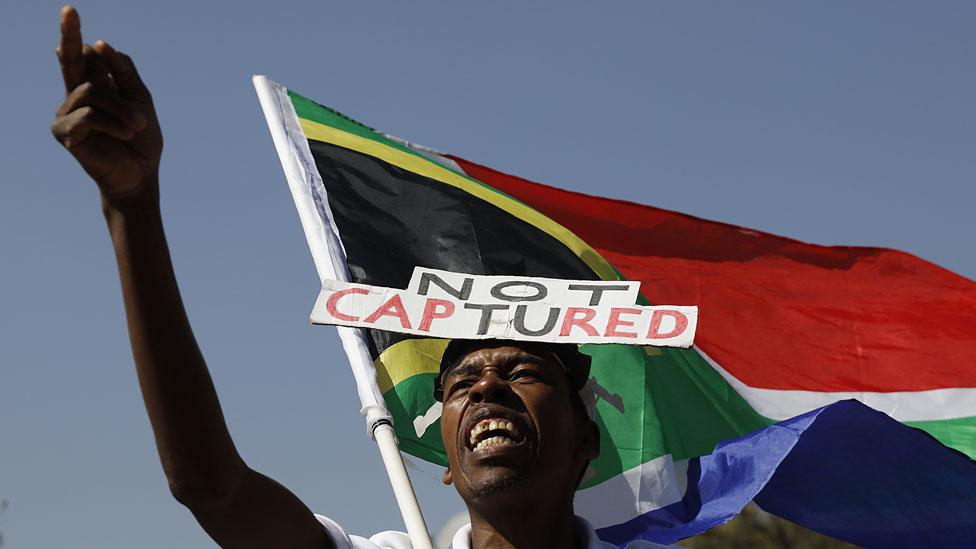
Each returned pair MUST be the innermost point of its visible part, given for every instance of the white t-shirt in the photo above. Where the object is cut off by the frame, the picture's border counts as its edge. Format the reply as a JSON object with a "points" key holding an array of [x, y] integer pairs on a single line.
{"points": [[462, 539]]}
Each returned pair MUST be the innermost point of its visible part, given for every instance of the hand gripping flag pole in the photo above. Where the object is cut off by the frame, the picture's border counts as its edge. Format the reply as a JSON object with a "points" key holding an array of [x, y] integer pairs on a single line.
{"points": [[330, 262]]}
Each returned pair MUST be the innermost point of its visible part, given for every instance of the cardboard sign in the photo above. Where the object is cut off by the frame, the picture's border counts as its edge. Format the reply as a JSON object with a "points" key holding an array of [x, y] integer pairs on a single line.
{"points": [[461, 306]]}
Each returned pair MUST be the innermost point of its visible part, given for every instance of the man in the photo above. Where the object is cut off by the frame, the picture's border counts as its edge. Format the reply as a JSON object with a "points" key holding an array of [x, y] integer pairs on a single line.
{"points": [[514, 428]]}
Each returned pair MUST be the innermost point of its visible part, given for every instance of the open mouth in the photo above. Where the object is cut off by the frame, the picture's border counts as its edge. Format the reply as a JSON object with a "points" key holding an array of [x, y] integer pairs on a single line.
{"points": [[494, 432]]}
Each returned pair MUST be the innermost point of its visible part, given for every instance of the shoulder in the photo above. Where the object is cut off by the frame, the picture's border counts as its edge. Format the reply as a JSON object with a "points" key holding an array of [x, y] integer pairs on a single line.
{"points": [[384, 540]]}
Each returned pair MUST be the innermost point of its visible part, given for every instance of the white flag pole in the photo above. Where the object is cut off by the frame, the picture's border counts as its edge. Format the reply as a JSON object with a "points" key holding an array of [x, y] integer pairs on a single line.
{"points": [[330, 262]]}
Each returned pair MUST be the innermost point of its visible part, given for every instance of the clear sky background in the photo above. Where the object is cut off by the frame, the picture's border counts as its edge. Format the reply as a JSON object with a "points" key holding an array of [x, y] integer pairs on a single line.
{"points": [[830, 122]]}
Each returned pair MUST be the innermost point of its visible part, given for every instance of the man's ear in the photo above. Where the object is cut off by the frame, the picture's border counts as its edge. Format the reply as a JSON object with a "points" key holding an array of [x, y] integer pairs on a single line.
{"points": [[590, 444], [448, 478]]}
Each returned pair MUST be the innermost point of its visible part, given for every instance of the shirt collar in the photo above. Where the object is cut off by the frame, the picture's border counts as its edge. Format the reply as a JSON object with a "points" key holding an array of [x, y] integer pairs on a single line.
{"points": [[584, 531]]}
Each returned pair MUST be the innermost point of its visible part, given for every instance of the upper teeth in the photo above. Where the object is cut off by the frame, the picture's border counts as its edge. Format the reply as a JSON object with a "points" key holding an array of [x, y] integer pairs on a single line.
{"points": [[492, 425]]}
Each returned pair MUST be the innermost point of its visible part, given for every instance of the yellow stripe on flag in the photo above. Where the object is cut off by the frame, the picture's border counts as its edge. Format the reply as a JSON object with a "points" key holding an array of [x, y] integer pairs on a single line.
{"points": [[408, 358]]}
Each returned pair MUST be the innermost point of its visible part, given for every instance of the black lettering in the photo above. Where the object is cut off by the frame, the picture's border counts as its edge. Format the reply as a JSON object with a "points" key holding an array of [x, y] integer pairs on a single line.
{"points": [[541, 291], [519, 323], [596, 290], [486, 312], [463, 294]]}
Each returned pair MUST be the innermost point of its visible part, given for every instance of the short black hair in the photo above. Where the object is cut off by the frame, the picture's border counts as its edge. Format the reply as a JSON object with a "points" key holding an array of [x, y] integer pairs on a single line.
{"points": [[575, 363]]}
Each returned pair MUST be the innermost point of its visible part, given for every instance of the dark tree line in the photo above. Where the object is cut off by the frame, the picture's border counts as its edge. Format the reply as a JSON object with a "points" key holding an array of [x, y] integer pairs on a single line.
{"points": [[756, 529]]}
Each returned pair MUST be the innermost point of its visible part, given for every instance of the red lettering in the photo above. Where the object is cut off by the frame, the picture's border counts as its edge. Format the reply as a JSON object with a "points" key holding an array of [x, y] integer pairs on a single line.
{"points": [[580, 317], [680, 324], [333, 301], [392, 307], [615, 322], [435, 308]]}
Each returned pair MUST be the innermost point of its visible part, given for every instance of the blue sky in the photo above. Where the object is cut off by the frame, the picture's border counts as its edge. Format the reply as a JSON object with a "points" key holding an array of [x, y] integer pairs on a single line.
{"points": [[831, 122]]}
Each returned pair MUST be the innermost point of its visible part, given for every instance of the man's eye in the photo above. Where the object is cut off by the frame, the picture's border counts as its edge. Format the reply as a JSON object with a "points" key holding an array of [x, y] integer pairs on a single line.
{"points": [[526, 375], [460, 386]]}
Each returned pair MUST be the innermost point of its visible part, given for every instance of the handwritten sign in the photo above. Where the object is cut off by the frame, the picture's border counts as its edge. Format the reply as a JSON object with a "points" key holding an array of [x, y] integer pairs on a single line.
{"points": [[462, 306]]}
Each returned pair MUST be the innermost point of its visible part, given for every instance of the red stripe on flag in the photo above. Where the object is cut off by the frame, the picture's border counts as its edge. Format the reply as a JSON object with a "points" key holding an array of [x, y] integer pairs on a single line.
{"points": [[778, 313]]}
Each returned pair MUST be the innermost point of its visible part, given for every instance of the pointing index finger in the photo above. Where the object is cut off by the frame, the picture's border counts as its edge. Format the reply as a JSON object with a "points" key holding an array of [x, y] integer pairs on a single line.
{"points": [[69, 52]]}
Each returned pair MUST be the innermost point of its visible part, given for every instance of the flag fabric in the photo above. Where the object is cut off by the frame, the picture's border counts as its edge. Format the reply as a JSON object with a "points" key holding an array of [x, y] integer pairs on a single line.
{"points": [[845, 470], [786, 329], [793, 326]]}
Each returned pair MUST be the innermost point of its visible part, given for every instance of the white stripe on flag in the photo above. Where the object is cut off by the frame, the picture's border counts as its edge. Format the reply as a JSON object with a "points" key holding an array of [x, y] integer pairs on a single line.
{"points": [[780, 404], [329, 256], [651, 485], [428, 153]]}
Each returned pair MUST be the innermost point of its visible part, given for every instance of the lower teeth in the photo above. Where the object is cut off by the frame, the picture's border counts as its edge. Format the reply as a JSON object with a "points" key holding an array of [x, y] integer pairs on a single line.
{"points": [[493, 441]]}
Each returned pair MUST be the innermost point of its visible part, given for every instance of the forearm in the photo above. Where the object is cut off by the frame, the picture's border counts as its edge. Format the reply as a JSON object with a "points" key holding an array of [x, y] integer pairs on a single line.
{"points": [[108, 123], [237, 506], [194, 445]]}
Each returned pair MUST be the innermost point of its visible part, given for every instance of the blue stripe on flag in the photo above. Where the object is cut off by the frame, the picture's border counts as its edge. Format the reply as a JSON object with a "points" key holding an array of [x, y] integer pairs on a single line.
{"points": [[858, 475], [845, 470]]}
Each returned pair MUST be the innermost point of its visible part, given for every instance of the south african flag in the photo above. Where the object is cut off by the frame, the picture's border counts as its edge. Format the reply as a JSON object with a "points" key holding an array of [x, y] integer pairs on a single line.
{"points": [[788, 334]]}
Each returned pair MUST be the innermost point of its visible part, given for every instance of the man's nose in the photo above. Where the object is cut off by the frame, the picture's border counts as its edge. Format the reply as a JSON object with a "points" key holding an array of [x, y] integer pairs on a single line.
{"points": [[490, 388]]}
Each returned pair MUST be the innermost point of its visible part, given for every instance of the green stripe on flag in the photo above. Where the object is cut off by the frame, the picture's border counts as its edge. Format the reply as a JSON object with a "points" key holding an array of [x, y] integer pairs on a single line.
{"points": [[958, 433], [310, 110], [698, 407], [408, 400]]}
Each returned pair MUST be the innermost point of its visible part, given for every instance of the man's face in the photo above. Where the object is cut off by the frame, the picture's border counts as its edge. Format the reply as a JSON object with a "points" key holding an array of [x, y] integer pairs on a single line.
{"points": [[509, 424]]}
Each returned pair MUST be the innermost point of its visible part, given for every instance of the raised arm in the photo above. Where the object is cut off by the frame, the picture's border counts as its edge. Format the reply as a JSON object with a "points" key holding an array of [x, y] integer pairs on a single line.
{"points": [[108, 123]]}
